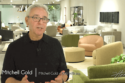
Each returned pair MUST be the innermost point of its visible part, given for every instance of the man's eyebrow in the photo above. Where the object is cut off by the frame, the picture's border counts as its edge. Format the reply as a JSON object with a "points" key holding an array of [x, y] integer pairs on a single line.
{"points": [[45, 16], [35, 15]]}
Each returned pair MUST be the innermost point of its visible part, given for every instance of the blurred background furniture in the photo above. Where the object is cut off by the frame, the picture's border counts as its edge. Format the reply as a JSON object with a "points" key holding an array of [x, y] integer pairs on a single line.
{"points": [[104, 54], [6, 35], [17, 31], [65, 31], [90, 43], [0, 38], [117, 35], [51, 31], [76, 30], [5, 28], [74, 54], [14, 27], [60, 29], [109, 39], [110, 73], [76, 15], [70, 40]]}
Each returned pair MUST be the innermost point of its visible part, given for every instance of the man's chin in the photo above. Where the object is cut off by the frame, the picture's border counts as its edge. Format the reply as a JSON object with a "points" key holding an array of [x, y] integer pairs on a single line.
{"points": [[40, 34]]}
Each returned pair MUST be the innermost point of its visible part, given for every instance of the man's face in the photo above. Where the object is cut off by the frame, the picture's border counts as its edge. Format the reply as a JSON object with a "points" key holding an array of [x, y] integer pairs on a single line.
{"points": [[37, 27]]}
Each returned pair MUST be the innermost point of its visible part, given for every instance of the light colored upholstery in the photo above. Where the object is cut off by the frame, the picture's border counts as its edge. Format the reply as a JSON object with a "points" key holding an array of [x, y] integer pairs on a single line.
{"points": [[74, 54], [104, 54], [90, 29], [0, 38], [65, 32], [117, 35], [14, 27], [102, 30], [5, 28], [51, 31], [76, 29], [18, 33], [90, 43]]}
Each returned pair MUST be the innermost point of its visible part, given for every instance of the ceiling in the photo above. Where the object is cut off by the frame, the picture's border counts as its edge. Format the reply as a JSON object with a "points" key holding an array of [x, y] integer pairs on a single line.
{"points": [[30, 1]]}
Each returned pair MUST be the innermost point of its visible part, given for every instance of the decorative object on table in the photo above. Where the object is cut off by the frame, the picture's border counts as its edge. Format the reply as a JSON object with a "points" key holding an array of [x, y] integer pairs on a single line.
{"points": [[118, 59], [75, 15]]}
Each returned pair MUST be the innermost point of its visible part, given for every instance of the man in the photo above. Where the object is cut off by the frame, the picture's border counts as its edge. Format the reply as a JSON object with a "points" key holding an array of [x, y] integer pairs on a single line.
{"points": [[35, 57]]}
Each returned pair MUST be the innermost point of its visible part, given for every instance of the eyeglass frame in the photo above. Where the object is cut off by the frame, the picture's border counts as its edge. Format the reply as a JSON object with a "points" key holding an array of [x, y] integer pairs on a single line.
{"points": [[39, 19]]}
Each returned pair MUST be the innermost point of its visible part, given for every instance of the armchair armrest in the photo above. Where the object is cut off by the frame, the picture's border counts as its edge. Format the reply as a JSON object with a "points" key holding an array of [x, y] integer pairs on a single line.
{"points": [[79, 77]]}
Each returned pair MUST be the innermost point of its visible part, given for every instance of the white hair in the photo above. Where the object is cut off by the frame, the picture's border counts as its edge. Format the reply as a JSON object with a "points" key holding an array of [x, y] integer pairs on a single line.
{"points": [[36, 5]]}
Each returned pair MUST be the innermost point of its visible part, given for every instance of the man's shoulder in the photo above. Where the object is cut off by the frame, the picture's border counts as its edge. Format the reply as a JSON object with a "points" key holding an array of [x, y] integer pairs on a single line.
{"points": [[18, 41], [50, 39]]}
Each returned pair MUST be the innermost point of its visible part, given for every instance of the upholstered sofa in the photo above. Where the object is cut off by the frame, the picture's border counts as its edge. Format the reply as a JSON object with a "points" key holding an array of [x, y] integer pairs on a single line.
{"points": [[102, 30], [111, 73], [104, 54], [76, 30], [90, 43]]}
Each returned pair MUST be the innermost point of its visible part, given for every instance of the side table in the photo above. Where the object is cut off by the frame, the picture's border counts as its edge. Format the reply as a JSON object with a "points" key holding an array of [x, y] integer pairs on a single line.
{"points": [[109, 39]]}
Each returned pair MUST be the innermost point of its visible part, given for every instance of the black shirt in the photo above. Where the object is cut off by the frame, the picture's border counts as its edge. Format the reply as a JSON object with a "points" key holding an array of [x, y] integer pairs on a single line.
{"points": [[41, 60]]}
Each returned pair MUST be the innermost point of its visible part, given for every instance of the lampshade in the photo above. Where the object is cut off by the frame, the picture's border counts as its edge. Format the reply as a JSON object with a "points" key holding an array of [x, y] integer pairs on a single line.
{"points": [[3, 25]]}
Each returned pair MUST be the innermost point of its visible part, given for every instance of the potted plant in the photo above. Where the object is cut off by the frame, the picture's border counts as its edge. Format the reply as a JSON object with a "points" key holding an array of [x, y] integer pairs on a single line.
{"points": [[118, 59], [75, 15]]}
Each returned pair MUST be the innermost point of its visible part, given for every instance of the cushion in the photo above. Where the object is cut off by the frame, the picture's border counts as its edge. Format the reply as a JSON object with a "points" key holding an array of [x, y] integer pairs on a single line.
{"points": [[88, 47], [0, 37], [90, 28]]}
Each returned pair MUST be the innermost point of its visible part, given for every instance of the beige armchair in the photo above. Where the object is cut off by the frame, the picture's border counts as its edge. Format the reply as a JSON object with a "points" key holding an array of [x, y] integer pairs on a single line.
{"points": [[104, 54], [51, 31], [90, 43]]}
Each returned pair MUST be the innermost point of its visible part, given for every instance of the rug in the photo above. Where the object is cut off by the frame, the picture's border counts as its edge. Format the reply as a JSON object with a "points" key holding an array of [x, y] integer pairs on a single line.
{"points": [[5, 47]]}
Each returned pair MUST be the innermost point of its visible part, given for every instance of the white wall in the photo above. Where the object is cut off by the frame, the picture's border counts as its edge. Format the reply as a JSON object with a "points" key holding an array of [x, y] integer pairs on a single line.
{"points": [[10, 15], [63, 4], [110, 6], [89, 10]]}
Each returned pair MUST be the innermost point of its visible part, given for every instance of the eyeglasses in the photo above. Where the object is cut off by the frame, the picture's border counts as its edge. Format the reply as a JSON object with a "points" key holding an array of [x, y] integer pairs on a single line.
{"points": [[37, 19]]}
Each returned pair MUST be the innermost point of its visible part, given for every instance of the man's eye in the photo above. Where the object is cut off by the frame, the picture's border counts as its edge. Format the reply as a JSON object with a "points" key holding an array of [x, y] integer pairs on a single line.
{"points": [[36, 17], [44, 18]]}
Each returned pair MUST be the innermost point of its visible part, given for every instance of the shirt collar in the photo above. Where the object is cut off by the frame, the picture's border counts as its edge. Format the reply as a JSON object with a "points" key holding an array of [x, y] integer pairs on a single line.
{"points": [[27, 38]]}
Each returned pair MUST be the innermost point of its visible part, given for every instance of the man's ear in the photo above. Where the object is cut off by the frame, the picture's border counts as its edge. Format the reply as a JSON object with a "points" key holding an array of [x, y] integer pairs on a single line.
{"points": [[26, 20]]}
